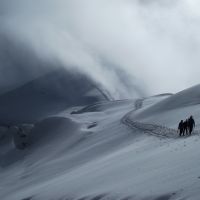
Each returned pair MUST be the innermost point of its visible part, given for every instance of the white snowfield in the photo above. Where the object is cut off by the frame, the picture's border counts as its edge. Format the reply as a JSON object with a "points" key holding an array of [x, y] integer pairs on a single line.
{"points": [[118, 150]]}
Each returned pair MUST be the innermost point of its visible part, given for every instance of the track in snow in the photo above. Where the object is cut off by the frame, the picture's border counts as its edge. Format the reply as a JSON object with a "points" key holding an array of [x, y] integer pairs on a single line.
{"points": [[152, 129]]}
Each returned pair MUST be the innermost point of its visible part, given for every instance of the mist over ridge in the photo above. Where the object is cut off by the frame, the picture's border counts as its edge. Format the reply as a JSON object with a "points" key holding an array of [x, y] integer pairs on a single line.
{"points": [[131, 48]]}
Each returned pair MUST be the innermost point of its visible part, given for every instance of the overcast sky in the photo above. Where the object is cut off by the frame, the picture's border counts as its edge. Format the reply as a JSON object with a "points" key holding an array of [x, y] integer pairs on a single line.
{"points": [[155, 42]]}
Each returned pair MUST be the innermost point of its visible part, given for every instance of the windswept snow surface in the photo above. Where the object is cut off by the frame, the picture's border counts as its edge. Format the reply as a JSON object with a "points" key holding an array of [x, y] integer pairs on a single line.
{"points": [[108, 150], [171, 110]]}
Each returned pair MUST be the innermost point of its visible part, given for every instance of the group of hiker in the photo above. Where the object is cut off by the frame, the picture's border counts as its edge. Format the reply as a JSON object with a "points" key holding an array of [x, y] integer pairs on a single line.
{"points": [[186, 127]]}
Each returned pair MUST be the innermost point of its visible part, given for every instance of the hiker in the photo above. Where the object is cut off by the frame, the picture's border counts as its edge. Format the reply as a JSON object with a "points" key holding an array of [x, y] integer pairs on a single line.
{"points": [[191, 124], [180, 128], [185, 127]]}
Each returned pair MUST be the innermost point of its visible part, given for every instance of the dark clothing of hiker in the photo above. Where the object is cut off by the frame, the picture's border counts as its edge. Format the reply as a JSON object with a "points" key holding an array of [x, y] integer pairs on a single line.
{"points": [[191, 124], [180, 128], [185, 127]]}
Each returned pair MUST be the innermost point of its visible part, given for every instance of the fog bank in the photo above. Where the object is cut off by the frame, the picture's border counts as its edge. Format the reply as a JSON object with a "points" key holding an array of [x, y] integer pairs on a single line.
{"points": [[130, 47]]}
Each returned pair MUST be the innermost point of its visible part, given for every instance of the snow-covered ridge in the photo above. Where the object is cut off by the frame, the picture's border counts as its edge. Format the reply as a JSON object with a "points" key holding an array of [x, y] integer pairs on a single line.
{"points": [[172, 109], [106, 150]]}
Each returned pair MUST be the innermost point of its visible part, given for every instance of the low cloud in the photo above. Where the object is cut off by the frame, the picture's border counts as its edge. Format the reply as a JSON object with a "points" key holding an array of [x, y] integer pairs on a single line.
{"points": [[130, 47]]}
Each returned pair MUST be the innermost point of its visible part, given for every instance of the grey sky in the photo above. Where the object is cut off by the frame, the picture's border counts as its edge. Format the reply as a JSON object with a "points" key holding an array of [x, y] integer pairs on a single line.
{"points": [[156, 42]]}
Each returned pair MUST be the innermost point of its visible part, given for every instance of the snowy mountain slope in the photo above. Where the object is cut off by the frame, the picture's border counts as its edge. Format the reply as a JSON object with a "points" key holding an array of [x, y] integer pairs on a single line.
{"points": [[94, 155], [171, 110], [48, 95], [71, 147]]}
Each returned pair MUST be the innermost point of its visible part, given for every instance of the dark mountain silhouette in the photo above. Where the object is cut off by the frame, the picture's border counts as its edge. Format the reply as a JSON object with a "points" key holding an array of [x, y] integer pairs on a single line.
{"points": [[48, 95]]}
